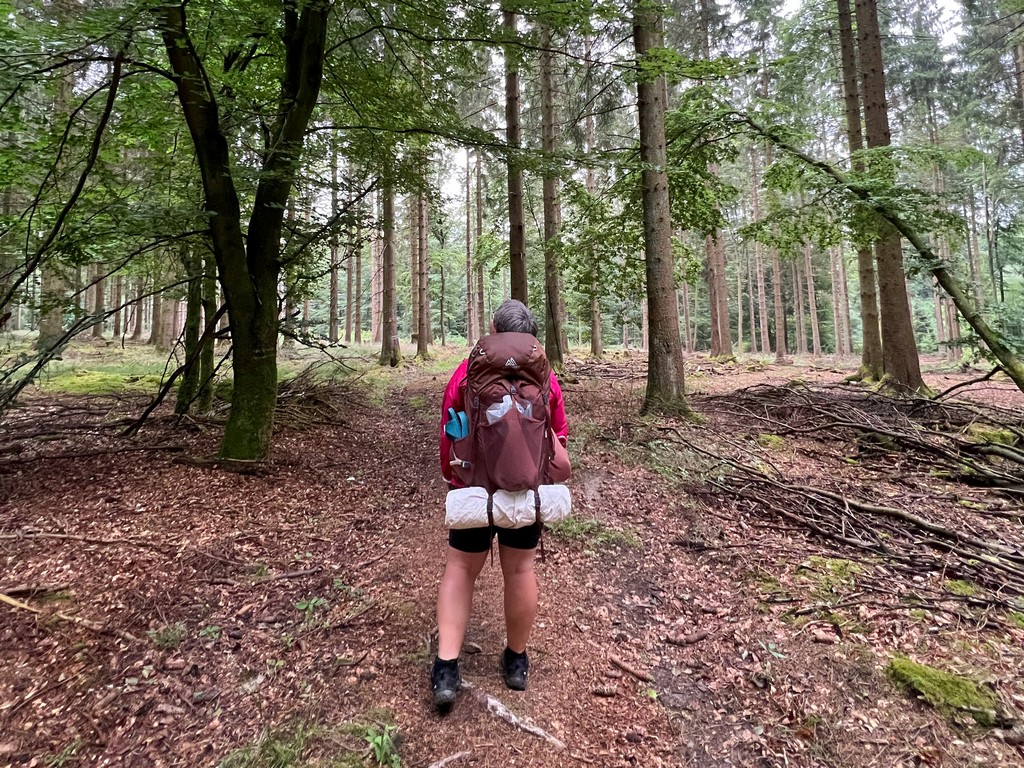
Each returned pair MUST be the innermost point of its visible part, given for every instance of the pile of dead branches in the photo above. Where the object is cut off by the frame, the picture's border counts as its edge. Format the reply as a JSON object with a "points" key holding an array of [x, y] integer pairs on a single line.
{"points": [[955, 439], [318, 395], [968, 525]]}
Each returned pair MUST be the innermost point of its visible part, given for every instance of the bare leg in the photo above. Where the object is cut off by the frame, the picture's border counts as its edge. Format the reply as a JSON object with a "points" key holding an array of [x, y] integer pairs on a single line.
{"points": [[520, 595], [455, 599]]}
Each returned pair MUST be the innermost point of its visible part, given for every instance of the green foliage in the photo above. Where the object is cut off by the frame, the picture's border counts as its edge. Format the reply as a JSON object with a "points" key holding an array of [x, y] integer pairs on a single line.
{"points": [[952, 695], [280, 748], [960, 587], [66, 756], [310, 606], [168, 636], [384, 746], [592, 531], [831, 576]]}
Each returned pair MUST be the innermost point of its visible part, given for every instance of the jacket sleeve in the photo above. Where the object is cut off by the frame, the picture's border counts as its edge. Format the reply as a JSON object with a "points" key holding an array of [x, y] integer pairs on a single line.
{"points": [[452, 399], [556, 409]]}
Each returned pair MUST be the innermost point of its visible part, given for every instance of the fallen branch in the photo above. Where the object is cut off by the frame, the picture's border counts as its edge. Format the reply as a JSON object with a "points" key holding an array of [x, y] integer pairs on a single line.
{"points": [[499, 710], [968, 383], [450, 759], [84, 539], [62, 616], [291, 575], [30, 590], [690, 639], [645, 676]]}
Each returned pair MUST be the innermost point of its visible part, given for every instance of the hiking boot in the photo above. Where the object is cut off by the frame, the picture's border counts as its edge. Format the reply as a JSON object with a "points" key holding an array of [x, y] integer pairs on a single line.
{"points": [[514, 668], [445, 681]]}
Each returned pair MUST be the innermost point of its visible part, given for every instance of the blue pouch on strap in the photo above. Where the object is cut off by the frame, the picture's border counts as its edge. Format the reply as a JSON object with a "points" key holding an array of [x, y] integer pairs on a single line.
{"points": [[457, 426]]}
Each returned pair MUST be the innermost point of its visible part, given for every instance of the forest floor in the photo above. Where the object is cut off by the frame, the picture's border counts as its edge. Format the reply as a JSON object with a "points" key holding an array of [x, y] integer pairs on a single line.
{"points": [[700, 609]]}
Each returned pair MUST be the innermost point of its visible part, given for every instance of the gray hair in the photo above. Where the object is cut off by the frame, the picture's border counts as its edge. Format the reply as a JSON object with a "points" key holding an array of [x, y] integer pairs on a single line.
{"points": [[514, 316]]}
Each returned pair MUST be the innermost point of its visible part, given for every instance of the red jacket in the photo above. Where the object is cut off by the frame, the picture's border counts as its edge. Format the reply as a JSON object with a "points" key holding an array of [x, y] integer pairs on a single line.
{"points": [[453, 394]]}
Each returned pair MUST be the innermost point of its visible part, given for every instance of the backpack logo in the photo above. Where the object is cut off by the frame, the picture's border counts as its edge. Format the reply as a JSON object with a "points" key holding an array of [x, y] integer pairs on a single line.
{"points": [[511, 363]]}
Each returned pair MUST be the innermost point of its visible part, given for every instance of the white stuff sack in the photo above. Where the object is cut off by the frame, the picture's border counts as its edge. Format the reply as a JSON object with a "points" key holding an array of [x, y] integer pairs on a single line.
{"points": [[467, 507]]}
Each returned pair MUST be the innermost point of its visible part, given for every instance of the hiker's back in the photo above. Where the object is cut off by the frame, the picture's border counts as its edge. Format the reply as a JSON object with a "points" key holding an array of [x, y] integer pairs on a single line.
{"points": [[506, 398]]}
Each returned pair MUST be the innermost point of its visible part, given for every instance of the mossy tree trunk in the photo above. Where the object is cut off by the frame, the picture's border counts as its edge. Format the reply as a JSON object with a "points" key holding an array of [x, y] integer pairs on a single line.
{"points": [[249, 264]]}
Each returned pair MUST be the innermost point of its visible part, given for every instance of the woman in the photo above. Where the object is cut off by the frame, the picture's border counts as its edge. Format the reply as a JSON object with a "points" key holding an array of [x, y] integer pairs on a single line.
{"points": [[468, 548]]}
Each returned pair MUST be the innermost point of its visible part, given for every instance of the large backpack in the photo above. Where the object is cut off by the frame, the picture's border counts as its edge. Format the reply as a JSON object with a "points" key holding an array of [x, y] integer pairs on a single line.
{"points": [[506, 391]]}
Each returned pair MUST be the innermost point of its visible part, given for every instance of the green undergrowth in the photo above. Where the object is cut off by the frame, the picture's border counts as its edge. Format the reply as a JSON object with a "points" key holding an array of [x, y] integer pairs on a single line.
{"points": [[829, 577], [981, 433], [594, 533], [952, 695], [371, 740]]}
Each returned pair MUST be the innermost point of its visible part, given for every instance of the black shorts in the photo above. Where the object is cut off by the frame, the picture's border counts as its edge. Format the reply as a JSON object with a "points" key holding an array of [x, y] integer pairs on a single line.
{"points": [[475, 540]]}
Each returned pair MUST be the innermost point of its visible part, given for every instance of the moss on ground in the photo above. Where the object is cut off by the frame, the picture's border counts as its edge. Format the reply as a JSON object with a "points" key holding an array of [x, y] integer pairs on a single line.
{"points": [[774, 442], [960, 587], [950, 694], [577, 529], [981, 433]]}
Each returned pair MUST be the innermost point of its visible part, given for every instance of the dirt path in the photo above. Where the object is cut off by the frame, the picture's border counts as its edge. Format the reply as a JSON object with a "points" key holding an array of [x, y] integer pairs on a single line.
{"points": [[230, 614]]}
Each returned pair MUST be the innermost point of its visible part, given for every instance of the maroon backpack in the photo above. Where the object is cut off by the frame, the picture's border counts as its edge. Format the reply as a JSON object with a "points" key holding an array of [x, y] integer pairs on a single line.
{"points": [[506, 393]]}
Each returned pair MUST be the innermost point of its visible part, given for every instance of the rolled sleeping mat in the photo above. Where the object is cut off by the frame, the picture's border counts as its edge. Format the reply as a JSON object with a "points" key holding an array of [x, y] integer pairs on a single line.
{"points": [[467, 507]]}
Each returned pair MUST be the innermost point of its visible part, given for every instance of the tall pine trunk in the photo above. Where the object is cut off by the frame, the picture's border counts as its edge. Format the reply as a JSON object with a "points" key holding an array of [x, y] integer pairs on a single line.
{"points": [[899, 348], [554, 336], [390, 351], [516, 214], [871, 365], [471, 334], [665, 377], [812, 302]]}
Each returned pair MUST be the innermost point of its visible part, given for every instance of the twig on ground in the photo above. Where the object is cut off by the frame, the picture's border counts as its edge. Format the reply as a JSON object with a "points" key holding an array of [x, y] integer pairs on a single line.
{"points": [[291, 575], [444, 761], [625, 667], [499, 710], [90, 625]]}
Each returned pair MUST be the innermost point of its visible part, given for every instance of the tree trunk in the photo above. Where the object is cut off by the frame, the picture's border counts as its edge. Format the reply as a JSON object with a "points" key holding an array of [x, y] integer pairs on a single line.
{"points": [[412, 203], [156, 321], [423, 282], [845, 287], [481, 323], [989, 240], [116, 291], [837, 326], [780, 314], [753, 314], [688, 338], [188, 387], [357, 284], [553, 318], [871, 365], [377, 275], [440, 319], [471, 335], [516, 215], [801, 321], [249, 266], [762, 301], [136, 313], [332, 311], [665, 377], [98, 300], [207, 366], [812, 303], [739, 311], [390, 351], [899, 348]]}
